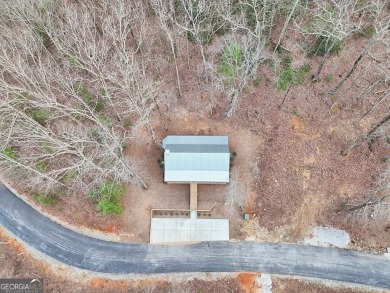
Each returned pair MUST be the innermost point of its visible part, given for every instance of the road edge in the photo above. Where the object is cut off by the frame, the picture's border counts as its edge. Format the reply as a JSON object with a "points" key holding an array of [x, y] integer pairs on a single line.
{"points": [[112, 237]]}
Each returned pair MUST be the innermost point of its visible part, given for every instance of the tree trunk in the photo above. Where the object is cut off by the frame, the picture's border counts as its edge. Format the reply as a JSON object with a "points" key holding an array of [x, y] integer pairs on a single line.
{"points": [[341, 83], [317, 74], [367, 137], [176, 66], [233, 103], [369, 44], [285, 25], [205, 74]]}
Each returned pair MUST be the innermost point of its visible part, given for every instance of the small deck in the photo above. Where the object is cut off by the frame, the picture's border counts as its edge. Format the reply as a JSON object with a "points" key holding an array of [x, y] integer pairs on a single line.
{"points": [[193, 196]]}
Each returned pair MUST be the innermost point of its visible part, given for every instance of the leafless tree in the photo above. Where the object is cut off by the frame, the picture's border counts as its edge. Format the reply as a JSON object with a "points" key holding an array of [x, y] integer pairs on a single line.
{"points": [[378, 45], [286, 22], [376, 204], [165, 13], [331, 23], [251, 55], [199, 21], [51, 121], [248, 37]]}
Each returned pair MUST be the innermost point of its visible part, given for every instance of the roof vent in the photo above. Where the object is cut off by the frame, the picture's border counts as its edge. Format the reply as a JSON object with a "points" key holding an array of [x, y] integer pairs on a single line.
{"points": [[167, 152]]}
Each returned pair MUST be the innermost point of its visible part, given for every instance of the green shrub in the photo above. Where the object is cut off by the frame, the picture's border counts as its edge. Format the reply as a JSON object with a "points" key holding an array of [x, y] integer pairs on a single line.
{"points": [[41, 33], [257, 81], [46, 147], [103, 93], [74, 62], [107, 190], [96, 135], [45, 200], [107, 197], [10, 152], [230, 62], [329, 78], [107, 207], [96, 103], [322, 44], [105, 120], [41, 166], [39, 115], [127, 124], [296, 113], [69, 176], [367, 32], [291, 76]]}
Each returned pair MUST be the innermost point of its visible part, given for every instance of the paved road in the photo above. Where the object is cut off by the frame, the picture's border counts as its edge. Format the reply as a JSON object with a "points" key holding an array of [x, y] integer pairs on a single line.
{"points": [[110, 257]]}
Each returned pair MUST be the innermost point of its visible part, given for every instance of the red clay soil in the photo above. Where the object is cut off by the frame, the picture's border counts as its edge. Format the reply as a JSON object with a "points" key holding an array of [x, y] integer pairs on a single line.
{"points": [[282, 285]]}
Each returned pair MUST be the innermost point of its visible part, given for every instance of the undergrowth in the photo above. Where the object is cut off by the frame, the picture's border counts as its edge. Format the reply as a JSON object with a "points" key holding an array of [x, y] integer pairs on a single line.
{"points": [[107, 197], [291, 76]]}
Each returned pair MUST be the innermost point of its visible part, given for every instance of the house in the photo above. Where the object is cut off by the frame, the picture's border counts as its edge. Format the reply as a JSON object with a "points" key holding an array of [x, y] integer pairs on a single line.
{"points": [[196, 159], [193, 160]]}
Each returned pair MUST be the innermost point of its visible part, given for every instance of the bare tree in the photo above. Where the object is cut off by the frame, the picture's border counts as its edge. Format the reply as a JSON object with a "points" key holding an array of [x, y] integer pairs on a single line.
{"points": [[165, 13], [286, 22], [53, 119], [241, 58], [332, 22], [380, 130], [199, 20], [244, 48], [376, 204], [378, 45]]}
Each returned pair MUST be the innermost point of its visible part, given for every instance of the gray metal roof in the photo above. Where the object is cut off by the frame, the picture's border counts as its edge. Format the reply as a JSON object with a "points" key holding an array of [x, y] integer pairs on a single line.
{"points": [[196, 159]]}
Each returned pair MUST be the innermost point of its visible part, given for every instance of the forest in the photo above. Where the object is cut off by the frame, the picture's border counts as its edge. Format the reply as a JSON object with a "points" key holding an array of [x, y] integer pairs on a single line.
{"points": [[90, 88]]}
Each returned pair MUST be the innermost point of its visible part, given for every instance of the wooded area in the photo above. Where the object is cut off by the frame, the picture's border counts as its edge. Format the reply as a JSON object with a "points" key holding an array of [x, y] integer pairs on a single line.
{"points": [[80, 79]]}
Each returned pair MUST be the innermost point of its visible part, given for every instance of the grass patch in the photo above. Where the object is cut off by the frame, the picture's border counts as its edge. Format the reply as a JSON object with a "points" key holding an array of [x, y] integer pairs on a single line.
{"points": [[329, 78], [46, 147], [39, 115], [107, 197], [291, 76], [10, 152], [105, 120], [95, 103], [74, 62], [41, 166], [45, 200], [69, 177]]}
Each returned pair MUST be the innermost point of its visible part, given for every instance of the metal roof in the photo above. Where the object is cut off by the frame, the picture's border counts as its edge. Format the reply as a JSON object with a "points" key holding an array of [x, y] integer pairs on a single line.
{"points": [[196, 159]]}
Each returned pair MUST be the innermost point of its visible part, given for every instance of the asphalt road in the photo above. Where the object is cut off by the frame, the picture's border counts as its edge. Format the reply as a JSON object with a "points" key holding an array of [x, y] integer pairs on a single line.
{"points": [[110, 257]]}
